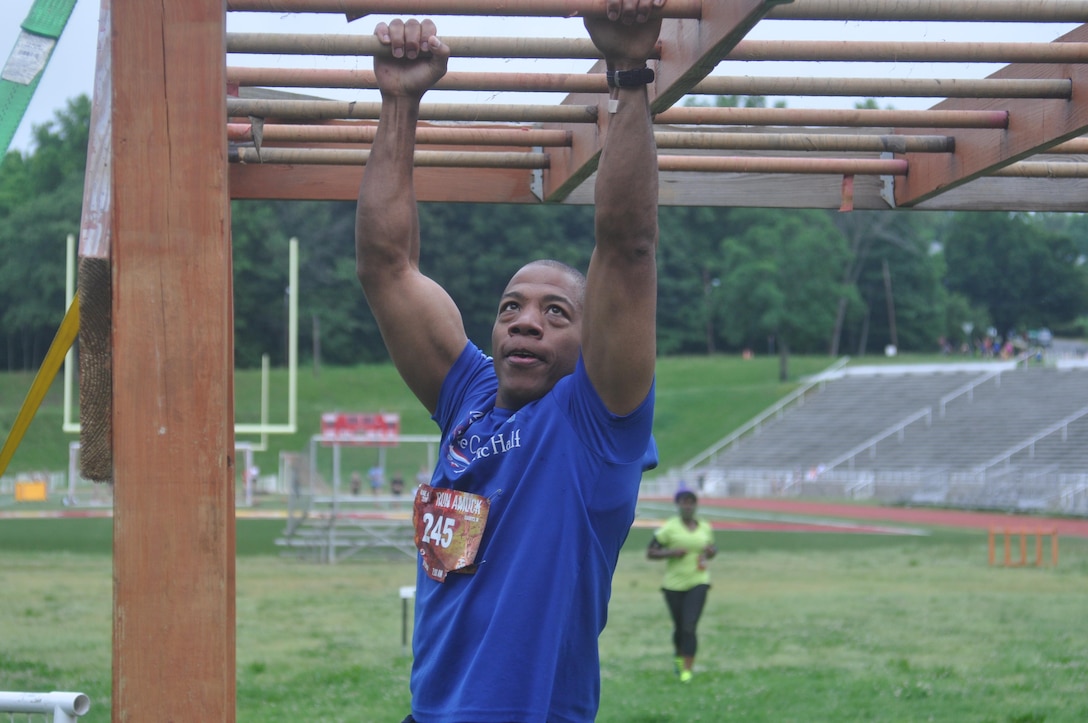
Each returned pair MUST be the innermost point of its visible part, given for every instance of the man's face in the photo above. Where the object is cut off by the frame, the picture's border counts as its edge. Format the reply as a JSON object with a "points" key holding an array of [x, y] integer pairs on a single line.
{"points": [[537, 333]]}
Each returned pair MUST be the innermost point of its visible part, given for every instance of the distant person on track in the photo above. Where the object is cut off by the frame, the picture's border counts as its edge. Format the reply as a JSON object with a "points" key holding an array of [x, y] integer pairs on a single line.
{"points": [[686, 544], [544, 442]]}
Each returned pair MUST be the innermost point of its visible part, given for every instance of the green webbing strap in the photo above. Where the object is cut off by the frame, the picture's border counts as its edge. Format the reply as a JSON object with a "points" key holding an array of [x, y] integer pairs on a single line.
{"points": [[33, 48]]}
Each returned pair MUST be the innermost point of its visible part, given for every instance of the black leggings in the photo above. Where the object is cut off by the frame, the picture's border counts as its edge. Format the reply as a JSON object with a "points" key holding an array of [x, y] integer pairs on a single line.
{"points": [[685, 606]]}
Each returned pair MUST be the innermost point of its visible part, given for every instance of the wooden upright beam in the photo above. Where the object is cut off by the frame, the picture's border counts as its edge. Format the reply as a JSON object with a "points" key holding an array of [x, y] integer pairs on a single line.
{"points": [[173, 559]]}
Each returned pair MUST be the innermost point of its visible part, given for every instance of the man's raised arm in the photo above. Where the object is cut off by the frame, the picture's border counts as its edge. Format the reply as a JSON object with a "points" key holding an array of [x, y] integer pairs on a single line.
{"points": [[619, 331], [419, 322]]}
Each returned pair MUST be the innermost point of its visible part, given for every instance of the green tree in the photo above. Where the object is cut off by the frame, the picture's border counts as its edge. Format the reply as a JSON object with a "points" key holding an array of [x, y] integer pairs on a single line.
{"points": [[730, 101], [898, 279], [687, 296], [41, 198], [1023, 274], [780, 276]]}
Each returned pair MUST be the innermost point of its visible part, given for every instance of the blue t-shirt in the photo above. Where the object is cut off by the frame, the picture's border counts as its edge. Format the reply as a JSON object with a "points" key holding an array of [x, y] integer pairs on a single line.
{"points": [[517, 640]]}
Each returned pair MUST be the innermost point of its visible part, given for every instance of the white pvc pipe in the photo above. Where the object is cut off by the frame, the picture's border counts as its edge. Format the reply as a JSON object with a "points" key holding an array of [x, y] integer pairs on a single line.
{"points": [[65, 707]]}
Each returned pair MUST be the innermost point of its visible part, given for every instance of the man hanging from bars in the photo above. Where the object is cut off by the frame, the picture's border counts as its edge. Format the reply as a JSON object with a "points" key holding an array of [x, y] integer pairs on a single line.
{"points": [[545, 440]]}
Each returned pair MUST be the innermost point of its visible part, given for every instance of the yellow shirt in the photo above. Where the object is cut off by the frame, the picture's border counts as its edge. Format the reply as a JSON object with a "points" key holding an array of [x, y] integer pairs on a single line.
{"points": [[683, 573]]}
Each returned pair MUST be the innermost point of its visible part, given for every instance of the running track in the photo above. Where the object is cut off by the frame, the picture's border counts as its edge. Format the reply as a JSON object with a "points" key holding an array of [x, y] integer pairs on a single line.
{"points": [[827, 517], [870, 518]]}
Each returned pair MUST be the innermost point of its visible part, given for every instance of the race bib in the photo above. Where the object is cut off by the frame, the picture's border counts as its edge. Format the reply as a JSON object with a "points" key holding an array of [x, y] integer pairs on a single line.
{"points": [[448, 525]]}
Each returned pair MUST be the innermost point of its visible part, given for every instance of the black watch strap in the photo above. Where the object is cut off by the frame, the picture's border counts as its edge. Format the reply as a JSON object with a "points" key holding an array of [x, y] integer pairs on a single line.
{"points": [[629, 78]]}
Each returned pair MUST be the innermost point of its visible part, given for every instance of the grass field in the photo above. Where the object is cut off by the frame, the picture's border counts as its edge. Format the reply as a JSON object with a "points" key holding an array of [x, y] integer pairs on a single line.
{"points": [[799, 627], [699, 401]]}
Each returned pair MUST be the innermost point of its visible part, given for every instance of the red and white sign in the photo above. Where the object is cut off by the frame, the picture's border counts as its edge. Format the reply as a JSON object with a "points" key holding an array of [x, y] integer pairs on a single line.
{"points": [[364, 429]]}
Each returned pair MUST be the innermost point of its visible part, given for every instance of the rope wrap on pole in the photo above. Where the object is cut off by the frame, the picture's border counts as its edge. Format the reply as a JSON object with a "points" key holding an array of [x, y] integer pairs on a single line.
{"points": [[95, 370]]}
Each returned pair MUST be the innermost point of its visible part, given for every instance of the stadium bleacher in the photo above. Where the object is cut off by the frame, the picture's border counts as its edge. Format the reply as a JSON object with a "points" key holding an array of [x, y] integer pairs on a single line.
{"points": [[997, 435]]}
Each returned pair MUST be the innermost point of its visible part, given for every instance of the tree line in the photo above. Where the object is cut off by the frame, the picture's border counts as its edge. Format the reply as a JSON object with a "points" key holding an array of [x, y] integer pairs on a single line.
{"points": [[730, 279]]}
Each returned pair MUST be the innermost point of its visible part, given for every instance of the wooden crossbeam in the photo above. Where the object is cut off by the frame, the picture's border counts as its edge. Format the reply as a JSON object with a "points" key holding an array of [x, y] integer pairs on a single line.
{"points": [[1034, 126]]}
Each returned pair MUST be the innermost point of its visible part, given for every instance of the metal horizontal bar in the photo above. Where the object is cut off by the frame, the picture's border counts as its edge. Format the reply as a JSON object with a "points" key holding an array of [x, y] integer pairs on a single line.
{"points": [[1076, 146], [423, 159], [713, 85], [331, 109], [745, 50], [282, 133], [982, 11], [1043, 169], [368, 45], [530, 137], [886, 87], [841, 118], [914, 52], [523, 8], [455, 159], [805, 142], [351, 78], [746, 164]]}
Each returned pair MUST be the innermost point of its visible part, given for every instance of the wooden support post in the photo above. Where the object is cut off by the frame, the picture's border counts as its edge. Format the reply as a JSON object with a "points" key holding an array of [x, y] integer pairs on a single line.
{"points": [[174, 535]]}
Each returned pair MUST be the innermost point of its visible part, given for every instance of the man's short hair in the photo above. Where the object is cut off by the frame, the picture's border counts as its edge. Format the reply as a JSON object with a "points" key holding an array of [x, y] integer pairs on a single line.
{"points": [[578, 276]]}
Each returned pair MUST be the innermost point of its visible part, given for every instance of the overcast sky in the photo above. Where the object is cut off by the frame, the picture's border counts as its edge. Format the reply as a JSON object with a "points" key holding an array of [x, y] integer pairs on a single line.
{"points": [[71, 70]]}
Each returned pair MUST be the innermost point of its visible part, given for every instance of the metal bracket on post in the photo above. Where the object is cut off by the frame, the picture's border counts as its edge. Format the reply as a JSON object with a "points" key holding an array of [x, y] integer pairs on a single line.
{"points": [[536, 186], [887, 186]]}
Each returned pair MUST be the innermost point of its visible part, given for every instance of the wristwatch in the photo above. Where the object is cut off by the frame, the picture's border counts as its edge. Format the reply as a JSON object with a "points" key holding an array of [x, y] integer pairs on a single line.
{"points": [[630, 78]]}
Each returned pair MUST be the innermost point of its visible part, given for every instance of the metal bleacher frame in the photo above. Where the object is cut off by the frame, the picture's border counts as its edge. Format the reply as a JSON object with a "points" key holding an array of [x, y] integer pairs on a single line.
{"points": [[331, 528]]}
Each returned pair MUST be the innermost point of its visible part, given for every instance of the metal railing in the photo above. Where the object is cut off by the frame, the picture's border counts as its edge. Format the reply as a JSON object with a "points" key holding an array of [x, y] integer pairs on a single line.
{"points": [[968, 389], [1029, 444], [870, 444]]}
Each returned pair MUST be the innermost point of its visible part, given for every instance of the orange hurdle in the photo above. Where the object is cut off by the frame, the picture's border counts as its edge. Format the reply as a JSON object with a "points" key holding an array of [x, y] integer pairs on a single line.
{"points": [[1023, 533]]}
